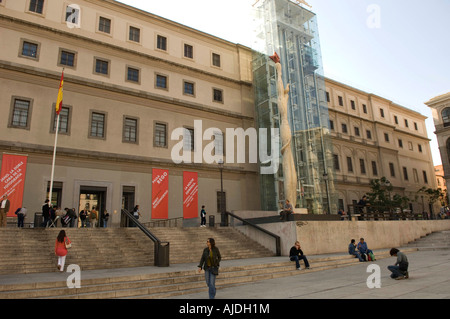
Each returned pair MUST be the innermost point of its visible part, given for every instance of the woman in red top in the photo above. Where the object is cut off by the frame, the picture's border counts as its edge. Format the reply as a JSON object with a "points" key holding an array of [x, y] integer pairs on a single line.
{"points": [[60, 249]]}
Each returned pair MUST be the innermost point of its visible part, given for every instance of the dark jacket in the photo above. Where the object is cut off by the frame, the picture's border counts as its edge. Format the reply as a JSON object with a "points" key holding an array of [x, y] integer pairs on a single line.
{"points": [[216, 257], [295, 252]]}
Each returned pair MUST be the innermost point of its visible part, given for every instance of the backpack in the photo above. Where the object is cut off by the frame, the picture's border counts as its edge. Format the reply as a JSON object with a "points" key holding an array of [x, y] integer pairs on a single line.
{"points": [[18, 210]]}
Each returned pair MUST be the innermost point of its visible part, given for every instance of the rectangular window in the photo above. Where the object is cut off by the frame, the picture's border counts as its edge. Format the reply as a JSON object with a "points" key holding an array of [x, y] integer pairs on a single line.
{"points": [[369, 134], [101, 66], [352, 103], [425, 178], [104, 25], [160, 135], [364, 108], [216, 59], [336, 162], [357, 131], [29, 49], [161, 43], [392, 169], [218, 143], [134, 34], [63, 121], [405, 173], [386, 137], [130, 130], [344, 128], [188, 88], [133, 74], [21, 112], [331, 125], [415, 126], [217, 95], [374, 168], [97, 125], [67, 58], [382, 112], [362, 165], [349, 164], [341, 101], [188, 51], [36, 6], [188, 139], [400, 143], [327, 96], [420, 148], [161, 81], [395, 119], [406, 123]]}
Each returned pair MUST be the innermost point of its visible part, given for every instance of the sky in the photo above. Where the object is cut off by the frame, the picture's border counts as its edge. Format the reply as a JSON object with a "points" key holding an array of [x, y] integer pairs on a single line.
{"points": [[397, 49]]}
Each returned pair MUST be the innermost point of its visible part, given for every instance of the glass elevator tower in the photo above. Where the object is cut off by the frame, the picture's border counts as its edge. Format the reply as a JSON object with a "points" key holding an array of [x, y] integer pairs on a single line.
{"points": [[285, 27]]}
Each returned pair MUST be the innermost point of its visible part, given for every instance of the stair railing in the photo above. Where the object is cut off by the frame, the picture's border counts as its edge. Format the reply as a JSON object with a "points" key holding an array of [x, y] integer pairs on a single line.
{"points": [[161, 257], [246, 222]]}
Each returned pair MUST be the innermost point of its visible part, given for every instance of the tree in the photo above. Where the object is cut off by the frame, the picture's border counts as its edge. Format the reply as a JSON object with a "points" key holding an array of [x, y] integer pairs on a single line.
{"points": [[433, 196], [382, 197]]}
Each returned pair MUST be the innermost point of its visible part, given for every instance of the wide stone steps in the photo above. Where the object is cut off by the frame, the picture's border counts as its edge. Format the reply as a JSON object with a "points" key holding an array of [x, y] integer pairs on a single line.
{"points": [[169, 284], [433, 241], [32, 250]]}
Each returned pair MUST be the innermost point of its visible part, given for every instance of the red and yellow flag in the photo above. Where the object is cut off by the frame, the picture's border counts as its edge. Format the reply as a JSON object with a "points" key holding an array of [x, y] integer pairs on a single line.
{"points": [[60, 94]]}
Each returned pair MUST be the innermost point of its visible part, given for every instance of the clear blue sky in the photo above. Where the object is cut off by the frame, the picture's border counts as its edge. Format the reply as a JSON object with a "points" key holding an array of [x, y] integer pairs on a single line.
{"points": [[403, 57]]}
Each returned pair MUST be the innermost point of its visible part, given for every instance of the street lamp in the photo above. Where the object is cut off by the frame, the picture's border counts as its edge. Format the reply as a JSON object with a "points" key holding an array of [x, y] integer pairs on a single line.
{"points": [[223, 221]]}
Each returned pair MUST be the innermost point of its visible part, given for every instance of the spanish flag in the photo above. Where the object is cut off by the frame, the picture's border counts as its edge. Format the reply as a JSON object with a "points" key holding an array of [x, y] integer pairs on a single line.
{"points": [[60, 94]]}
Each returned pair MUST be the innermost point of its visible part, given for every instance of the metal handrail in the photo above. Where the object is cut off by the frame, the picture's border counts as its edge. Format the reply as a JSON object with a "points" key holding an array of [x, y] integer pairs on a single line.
{"points": [[246, 222], [158, 243]]}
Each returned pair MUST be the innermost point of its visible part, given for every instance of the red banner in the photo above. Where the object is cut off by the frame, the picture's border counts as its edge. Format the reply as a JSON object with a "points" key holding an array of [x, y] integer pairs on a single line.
{"points": [[190, 195], [12, 180], [160, 193]]}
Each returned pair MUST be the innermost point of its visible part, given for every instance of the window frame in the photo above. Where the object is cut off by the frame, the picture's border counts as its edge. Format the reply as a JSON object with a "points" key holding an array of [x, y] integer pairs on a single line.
{"points": [[30, 102], [105, 121]]}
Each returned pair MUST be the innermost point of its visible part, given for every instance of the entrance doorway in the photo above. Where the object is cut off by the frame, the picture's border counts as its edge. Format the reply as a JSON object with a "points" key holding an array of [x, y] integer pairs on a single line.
{"points": [[92, 197]]}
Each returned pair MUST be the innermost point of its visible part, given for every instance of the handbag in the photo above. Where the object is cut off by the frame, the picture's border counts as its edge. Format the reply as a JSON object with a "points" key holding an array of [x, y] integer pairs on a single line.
{"points": [[68, 245]]}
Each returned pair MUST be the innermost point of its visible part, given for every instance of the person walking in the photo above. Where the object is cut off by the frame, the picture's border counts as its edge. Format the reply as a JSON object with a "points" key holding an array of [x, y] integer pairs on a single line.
{"points": [[21, 215], [400, 269], [46, 213], [296, 254], [4, 209], [105, 217], [352, 250], [203, 217], [210, 262], [61, 245], [93, 217]]}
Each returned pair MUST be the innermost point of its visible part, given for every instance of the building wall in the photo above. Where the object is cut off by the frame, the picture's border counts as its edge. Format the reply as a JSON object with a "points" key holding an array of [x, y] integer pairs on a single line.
{"points": [[111, 161], [369, 129]]}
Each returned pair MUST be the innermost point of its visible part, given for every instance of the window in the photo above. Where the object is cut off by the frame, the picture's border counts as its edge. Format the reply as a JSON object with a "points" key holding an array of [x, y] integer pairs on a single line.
{"points": [[425, 178], [362, 166], [386, 137], [161, 81], [21, 113], [381, 112], [160, 135], [392, 169], [161, 43], [97, 125], [30, 49], [364, 108], [188, 88], [130, 130], [36, 6], [349, 164], [73, 16], [101, 66], [331, 125], [104, 25], [327, 96], [405, 173], [67, 58], [374, 168], [217, 95], [357, 131], [133, 74], [415, 126], [353, 105], [188, 139], [406, 123], [216, 60], [344, 128], [416, 175], [341, 101], [188, 51], [400, 143], [369, 134], [420, 148], [218, 143], [134, 34], [395, 119], [446, 116], [336, 162], [64, 117]]}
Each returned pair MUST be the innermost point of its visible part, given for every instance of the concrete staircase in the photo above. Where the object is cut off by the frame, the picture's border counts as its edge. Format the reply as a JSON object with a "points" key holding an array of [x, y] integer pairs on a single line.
{"points": [[32, 250], [174, 283], [433, 241]]}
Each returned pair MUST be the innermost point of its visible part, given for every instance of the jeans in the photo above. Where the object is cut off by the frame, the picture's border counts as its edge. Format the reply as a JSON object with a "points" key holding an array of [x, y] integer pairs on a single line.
{"points": [[20, 219], [211, 283], [297, 260], [396, 272], [357, 254]]}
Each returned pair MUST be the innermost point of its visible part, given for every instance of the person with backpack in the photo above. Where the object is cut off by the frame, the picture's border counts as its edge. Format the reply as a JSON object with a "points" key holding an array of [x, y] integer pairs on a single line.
{"points": [[400, 269], [203, 217]]}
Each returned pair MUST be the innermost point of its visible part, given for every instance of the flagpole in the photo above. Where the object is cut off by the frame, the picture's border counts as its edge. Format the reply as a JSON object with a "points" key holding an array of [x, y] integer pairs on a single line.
{"points": [[58, 110]]}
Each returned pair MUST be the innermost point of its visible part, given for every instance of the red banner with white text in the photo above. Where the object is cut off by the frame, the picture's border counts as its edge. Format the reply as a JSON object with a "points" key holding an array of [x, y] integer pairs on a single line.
{"points": [[190, 195], [160, 193], [12, 180]]}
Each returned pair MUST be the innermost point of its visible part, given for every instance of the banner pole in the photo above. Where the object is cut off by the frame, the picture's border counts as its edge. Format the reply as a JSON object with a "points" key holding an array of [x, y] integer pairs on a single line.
{"points": [[53, 162]]}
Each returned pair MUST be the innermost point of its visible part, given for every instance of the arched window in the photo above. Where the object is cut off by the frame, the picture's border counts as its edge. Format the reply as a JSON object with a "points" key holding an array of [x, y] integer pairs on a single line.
{"points": [[446, 116]]}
